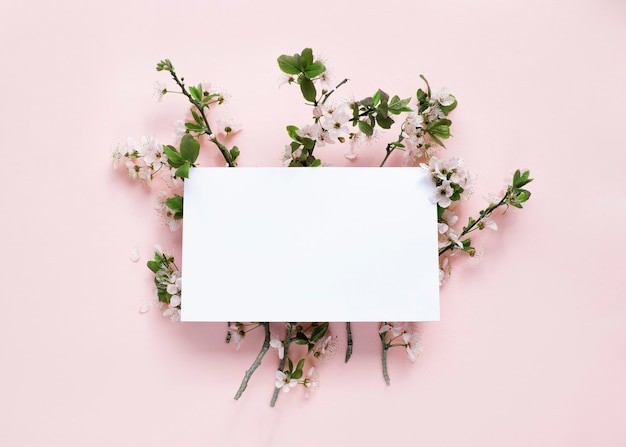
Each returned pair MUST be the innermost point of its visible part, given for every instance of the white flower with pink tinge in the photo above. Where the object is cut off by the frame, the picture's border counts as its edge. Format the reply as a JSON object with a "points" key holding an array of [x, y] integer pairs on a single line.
{"points": [[277, 344], [284, 381], [311, 382], [413, 345], [335, 122], [444, 97], [442, 194]]}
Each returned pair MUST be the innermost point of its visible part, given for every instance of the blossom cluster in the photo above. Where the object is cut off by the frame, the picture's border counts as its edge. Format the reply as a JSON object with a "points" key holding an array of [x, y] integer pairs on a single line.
{"points": [[423, 123], [167, 282], [142, 159], [404, 335]]}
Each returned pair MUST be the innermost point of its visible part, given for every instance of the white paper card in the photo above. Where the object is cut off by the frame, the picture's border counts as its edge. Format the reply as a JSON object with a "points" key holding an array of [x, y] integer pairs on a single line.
{"points": [[309, 244]]}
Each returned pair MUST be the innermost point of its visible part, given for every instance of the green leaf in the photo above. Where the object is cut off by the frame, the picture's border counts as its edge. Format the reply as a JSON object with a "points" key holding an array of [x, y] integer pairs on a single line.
{"points": [[520, 179], [189, 148], [197, 117], [289, 64], [437, 140], [383, 109], [427, 84], [234, 153], [440, 128], [384, 97], [308, 143], [366, 128], [298, 372], [376, 98], [367, 102], [290, 364], [183, 170], [291, 130], [164, 297], [165, 64], [173, 156], [523, 195], [301, 336], [397, 105], [384, 121], [308, 89], [314, 70], [421, 96], [294, 146], [316, 163], [319, 332], [306, 58], [154, 266], [195, 93], [175, 203], [194, 127]]}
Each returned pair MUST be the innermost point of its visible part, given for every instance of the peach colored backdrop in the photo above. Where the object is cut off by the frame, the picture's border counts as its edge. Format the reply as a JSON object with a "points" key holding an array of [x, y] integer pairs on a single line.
{"points": [[531, 349]]}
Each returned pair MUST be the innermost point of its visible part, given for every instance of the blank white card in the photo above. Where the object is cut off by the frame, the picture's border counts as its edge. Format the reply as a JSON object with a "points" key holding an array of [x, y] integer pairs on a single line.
{"points": [[309, 244]]}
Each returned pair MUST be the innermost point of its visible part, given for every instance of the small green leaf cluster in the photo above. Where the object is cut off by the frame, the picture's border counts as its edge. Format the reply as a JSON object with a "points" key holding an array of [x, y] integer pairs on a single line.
{"points": [[300, 150], [185, 158], [516, 194], [305, 69], [201, 99], [375, 110], [176, 205], [294, 373], [317, 332], [166, 278], [164, 65]]}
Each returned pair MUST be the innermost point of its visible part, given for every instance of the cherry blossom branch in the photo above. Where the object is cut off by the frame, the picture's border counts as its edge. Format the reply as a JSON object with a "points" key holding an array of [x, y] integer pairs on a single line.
{"points": [[392, 147], [256, 363], [333, 90], [281, 367], [198, 105], [349, 341], [228, 333], [385, 346]]}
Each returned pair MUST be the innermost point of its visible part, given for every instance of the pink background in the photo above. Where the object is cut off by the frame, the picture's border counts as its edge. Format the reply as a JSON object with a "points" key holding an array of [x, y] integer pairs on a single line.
{"points": [[531, 349]]}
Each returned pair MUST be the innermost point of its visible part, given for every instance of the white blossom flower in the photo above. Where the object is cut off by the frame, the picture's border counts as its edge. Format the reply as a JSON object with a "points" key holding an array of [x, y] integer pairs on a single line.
{"points": [[311, 382], [175, 301], [167, 215], [286, 79], [351, 154], [145, 306], [134, 255], [491, 225], [227, 126], [311, 131], [396, 329], [318, 111], [116, 157], [173, 313], [160, 89], [278, 344], [324, 81], [325, 349], [284, 381], [444, 97], [290, 156], [444, 270], [448, 219], [413, 345], [335, 123], [179, 129], [236, 334], [442, 194]]}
